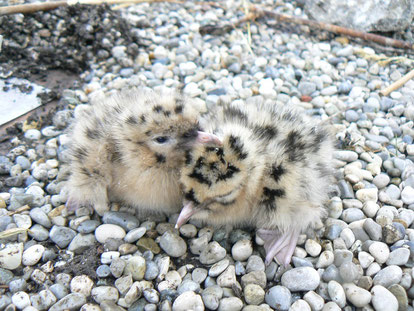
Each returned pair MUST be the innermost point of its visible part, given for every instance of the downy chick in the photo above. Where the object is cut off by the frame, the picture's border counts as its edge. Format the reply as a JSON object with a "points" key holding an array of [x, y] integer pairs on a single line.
{"points": [[272, 172], [129, 148]]}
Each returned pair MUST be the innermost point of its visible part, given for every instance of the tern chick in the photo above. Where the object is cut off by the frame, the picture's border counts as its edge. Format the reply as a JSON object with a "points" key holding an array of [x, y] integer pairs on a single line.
{"points": [[272, 171], [129, 147]]}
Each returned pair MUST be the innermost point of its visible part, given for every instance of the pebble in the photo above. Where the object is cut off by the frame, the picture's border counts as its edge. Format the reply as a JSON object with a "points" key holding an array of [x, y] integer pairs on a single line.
{"points": [[253, 294], [212, 253], [81, 284], [383, 299], [358, 296], [32, 255], [188, 301], [407, 195], [136, 267], [388, 276], [106, 231], [218, 268], [379, 251], [398, 257], [230, 304], [211, 296], [135, 234], [11, 256], [62, 236], [300, 305], [242, 250], [101, 293], [337, 293], [126, 221], [301, 279], [279, 297], [21, 300], [173, 244]]}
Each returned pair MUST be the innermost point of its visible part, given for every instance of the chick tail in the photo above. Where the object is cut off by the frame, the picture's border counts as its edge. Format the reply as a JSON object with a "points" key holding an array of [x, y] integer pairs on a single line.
{"points": [[279, 245], [185, 214]]}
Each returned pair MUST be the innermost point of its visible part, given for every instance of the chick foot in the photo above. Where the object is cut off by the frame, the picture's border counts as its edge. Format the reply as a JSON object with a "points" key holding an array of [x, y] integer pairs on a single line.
{"points": [[278, 244]]}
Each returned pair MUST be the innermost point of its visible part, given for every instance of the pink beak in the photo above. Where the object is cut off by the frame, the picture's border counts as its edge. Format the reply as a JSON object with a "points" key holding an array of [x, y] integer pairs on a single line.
{"points": [[207, 138], [185, 214]]}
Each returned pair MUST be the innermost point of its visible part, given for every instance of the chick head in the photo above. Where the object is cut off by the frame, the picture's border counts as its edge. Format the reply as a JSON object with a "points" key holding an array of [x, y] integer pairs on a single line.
{"points": [[156, 129]]}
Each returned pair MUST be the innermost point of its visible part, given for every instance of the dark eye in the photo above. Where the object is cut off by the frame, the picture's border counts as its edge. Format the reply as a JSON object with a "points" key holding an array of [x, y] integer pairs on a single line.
{"points": [[162, 139]]}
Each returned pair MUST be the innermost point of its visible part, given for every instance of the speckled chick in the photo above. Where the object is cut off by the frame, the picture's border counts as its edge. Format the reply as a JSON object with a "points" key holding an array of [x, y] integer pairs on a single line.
{"points": [[129, 147], [272, 171]]}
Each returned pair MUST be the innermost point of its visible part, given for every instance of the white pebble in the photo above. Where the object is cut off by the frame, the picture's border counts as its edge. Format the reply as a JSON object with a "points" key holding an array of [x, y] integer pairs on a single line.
{"points": [[358, 296], [325, 259], [380, 251], [383, 299], [242, 250], [314, 300], [21, 300], [11, 256], [230, 304], [33, 254], [300, 305], [407, 195], [81, 284], [106, 231], [188, 301], [337, 293], [312, 247], [369, 194], [102, 293]]}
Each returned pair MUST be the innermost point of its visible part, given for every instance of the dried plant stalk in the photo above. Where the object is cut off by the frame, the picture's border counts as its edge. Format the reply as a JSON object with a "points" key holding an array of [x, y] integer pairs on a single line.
{"points": [[397, 84]]}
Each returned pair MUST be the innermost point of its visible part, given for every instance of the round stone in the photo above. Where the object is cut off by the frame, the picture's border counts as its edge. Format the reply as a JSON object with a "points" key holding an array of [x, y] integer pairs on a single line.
{"points": [[135, 234], [380, 251], [407, 195], [136, 267], [301, 279], [337, 293], [242, 250], [62, 236], [230, 304], [388, 276], [32, 255], [81, 284], [312, 247], [279, 297], [212, 253], [383, 299], [211, 296], [253, 294], [11, 256], [173, 244], [188, 301], [398, 257], [106, 231], [72, 301], [21, 300], [358, 296], [300, 305], [102, 293]]}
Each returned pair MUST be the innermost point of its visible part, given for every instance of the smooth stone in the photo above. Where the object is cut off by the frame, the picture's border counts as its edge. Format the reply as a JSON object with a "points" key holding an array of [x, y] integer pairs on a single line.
{"points": [[199, 275], [148, 244], [211, 296], [337, 293], [188, 285], [81, 242], [173, 244], [81, 284], [135, 234], [62, 236], [365, 259], [88, 226], [242, 250], [188, 301], [398, 257], [352, 214], [400, 293], [279, 297], [325, 259], [230, 304], [227, 278], [388, 276], [253, 294], [358, 296], [32, 255], [314, 300], [383, 299], [43, 300], [136, 267], [345, 155], [72, 301], [349, 272], [218, 268], [301, 279], [368, 194], [21, 300], [102, 293], [11, 256], [107, 231], [312, 247], [212, 253], [125, 220], [373, 229], [407, 195], [380, 251], [151, 295], [40, 217], [255, 263], [197, 245], [254, 277]]}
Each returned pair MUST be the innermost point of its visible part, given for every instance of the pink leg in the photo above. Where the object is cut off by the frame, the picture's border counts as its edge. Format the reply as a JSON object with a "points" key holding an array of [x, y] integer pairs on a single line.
{"points": [[72, 204], [279, 245]]}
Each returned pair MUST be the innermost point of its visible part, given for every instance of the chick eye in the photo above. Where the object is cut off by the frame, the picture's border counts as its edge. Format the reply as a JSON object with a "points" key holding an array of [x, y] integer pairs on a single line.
{"points": [[162, 139]]}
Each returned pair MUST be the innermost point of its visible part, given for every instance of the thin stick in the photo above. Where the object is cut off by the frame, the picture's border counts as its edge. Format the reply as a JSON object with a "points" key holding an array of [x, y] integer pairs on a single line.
{"points": [[35, 7], [31, 7], [397, 84], [335, 29]]}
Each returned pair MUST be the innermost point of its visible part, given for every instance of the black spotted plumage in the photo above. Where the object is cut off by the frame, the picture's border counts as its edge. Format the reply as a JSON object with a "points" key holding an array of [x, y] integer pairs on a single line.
{"points": [[272, 171]]}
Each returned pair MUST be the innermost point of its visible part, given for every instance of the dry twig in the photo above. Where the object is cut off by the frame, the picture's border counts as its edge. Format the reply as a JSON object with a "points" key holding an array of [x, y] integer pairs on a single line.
{"points": [[34, 7], [397, 84], [334, 29]]}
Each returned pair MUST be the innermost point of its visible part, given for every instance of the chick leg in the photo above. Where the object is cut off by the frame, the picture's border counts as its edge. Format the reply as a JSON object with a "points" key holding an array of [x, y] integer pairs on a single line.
{"points": [[279, 245]]}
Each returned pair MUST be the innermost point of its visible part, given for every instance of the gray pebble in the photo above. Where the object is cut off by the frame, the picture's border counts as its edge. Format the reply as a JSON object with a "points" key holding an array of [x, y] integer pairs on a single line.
{"points": [[188, 285], [62, 236], [125, 220], [212, 296], [39, 216], [72, 301], [388, 276], [173, 244], [103, 271], [39, 233], [212, 253], [279, 297], [88, 226]]}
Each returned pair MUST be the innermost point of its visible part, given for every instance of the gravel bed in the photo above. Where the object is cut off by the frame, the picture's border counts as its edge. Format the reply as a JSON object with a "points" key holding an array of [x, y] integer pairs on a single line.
{"points": [[362, 257]]}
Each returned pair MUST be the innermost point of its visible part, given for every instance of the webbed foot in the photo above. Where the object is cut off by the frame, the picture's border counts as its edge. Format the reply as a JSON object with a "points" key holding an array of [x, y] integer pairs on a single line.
{"points": [[279, 244]]}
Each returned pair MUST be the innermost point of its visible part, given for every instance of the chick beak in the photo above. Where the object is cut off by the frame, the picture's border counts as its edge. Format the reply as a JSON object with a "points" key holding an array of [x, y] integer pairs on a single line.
{"points": [[185, 214], [207, 138]]}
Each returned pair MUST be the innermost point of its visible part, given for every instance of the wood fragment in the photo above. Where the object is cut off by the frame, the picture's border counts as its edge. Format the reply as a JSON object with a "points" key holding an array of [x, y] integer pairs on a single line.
{"points": [[397, 84], [334, 29], [46, 6]]}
